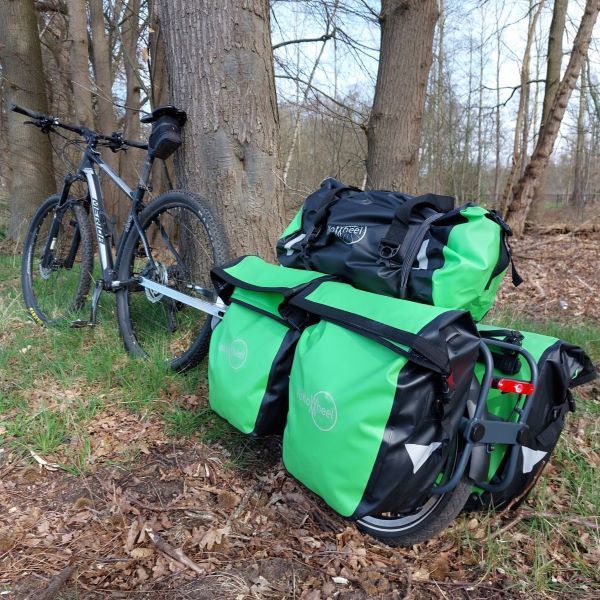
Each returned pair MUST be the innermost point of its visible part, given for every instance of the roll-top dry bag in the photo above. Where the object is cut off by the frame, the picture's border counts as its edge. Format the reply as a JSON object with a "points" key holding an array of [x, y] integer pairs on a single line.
{"points": [[561, 366], [251, 348], [419, 248], [377, 389]]}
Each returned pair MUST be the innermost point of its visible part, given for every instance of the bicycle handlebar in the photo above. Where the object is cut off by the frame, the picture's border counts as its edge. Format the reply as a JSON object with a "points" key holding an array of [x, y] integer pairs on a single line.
{"points": [[49, 122]]}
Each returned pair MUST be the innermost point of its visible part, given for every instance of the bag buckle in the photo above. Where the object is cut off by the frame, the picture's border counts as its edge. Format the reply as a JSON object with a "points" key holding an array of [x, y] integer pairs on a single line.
{"points": [[388, 249]]}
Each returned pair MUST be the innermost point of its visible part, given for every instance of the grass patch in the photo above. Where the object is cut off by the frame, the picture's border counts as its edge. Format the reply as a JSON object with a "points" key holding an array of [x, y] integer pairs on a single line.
{"points": [[54, 382], [585, 334]]}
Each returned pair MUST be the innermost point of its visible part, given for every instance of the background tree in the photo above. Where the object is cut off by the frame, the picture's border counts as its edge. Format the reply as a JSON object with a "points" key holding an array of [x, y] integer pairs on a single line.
{"points": [[394, 129], [31, 176], [522, 198], [221, 74]]}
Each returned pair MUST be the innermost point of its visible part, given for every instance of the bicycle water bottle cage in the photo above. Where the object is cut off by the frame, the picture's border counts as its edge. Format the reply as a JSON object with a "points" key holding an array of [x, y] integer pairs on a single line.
{"points": [[167, 123]]}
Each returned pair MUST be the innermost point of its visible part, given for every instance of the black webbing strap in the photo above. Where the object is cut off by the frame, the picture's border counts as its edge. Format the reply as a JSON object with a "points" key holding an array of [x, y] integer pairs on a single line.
{"points": [[392, 241], [506, 361], [548, 436], [411, 246], [320, 215], [423, 352]]}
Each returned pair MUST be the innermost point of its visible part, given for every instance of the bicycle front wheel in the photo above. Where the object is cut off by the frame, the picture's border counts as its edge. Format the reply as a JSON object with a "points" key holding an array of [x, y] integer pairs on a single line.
{"points": [[55, 286], [186, 240]]}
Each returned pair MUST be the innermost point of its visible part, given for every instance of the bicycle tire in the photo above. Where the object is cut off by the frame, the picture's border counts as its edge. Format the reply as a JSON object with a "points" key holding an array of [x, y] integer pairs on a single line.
{"points": [[432, 517], [146, 319], [68, 287]]}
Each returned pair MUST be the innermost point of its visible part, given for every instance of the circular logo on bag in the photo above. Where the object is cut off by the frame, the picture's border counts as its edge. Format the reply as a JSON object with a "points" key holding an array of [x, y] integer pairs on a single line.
{"points": [[349, 234], [323, 411], [237, 353]]}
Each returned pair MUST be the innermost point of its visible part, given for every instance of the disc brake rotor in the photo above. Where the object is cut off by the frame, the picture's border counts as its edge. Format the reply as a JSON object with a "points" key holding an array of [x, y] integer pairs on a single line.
{"points": [[159, 275]]}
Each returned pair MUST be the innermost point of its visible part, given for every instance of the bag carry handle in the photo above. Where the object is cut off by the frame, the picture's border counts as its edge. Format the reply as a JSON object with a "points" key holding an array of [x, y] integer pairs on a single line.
{"points": [[394, 237], [321, 214], [423, 352]]}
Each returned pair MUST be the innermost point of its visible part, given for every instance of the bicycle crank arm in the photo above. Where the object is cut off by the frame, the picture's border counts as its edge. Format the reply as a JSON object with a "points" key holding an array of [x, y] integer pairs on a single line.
{"points": [[203, 305]]}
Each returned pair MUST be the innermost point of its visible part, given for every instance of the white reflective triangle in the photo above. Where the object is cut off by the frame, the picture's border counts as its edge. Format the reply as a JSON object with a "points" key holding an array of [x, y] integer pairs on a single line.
{"points": [[419, 453], [422, 255], [531, 458]]}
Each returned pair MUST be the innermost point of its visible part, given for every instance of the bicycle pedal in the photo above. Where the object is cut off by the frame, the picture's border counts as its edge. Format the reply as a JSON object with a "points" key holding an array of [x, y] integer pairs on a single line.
{"points": [[79, 323]]}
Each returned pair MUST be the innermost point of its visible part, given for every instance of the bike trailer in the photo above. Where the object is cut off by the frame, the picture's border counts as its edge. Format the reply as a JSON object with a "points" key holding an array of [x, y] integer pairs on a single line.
{"points": [[252, 347], [378, 387], [561, 366], [418, 248]]}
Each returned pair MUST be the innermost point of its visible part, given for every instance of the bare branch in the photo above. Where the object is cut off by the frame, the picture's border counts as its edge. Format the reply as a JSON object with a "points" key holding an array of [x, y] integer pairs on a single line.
{"points": [[323, 38]]}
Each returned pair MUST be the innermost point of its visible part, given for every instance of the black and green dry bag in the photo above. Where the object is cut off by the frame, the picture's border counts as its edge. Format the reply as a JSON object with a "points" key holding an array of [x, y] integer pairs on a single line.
{"points": [[418, 248], [561, 367], [251, 349], [377, 390]]}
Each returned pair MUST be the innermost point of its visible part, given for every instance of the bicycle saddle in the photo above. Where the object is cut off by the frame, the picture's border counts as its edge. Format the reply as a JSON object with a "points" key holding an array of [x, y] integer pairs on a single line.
{"points": [[168, 110]]}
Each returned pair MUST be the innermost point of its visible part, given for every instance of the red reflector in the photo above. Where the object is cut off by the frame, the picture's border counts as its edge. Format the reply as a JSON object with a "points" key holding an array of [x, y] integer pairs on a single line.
{"points": [[514, 386]]}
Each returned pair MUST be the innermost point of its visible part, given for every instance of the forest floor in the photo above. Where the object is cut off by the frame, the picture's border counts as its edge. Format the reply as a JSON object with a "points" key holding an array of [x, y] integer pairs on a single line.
{"points": [[96, 449]]}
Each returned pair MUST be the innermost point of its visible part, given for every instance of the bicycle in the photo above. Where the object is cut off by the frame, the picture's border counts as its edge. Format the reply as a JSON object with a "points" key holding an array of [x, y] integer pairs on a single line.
{"points": [[161, 271]]}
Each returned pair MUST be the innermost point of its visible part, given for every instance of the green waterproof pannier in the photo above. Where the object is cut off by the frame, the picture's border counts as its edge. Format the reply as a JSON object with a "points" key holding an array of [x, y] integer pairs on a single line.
{"points": [[561, 367], [418, 248], [251, 349], [377, 390]]}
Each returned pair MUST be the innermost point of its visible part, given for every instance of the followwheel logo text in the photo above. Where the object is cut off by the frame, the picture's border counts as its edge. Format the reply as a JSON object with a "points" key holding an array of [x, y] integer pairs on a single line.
{"points": [[349, 234], [321, 407], [236, 352]]}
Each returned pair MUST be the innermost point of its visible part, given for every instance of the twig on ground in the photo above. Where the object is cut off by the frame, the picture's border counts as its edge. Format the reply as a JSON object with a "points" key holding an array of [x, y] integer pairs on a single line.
{"points": [[57, 582], [242, 505], [175, 553]]}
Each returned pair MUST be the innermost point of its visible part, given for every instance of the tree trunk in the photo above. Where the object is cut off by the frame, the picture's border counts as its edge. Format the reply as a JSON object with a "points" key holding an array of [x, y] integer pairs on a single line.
{"points": [[104, 100], [231, 149], [79, 62], [524, 191], [394, 129], [578, 195], [31, 176], [131, 160], [159, 92], [553, 67], [520, 139]]}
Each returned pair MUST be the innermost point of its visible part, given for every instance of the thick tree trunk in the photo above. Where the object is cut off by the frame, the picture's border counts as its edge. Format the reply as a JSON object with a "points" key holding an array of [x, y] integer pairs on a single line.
{"points": [[394, 130], [553, 67], [131, 160], [162, 178], [524, 191], [31, 176], [221, 73], [79, 62], [104, 101]]}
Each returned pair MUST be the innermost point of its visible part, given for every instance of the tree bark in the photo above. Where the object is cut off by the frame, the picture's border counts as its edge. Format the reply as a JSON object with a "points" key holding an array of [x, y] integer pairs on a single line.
{"points": [[579, 179], [525, 189], [220, 67], [131, 160], [159, 93], [31, 176], [104, 99], [553, 67], [520, 139], [394, 129], [79, 62]]}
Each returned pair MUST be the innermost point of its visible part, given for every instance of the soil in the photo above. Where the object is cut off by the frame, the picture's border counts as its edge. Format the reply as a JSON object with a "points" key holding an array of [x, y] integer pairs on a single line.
{"points": [[254, 532]]}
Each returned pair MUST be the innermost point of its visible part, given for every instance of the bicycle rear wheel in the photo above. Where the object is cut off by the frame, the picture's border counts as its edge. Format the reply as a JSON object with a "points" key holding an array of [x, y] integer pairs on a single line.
{"points": [[434, 514], [186, 241], [56, 292]]}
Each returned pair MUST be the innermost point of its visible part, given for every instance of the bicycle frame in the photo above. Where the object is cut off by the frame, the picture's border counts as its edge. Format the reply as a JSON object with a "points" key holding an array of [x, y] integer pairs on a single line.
{"points": [[109, 264]]}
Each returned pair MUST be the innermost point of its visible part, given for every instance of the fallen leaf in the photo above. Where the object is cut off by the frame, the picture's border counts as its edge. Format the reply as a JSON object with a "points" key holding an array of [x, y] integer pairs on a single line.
{"points": [[142, 552]]}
